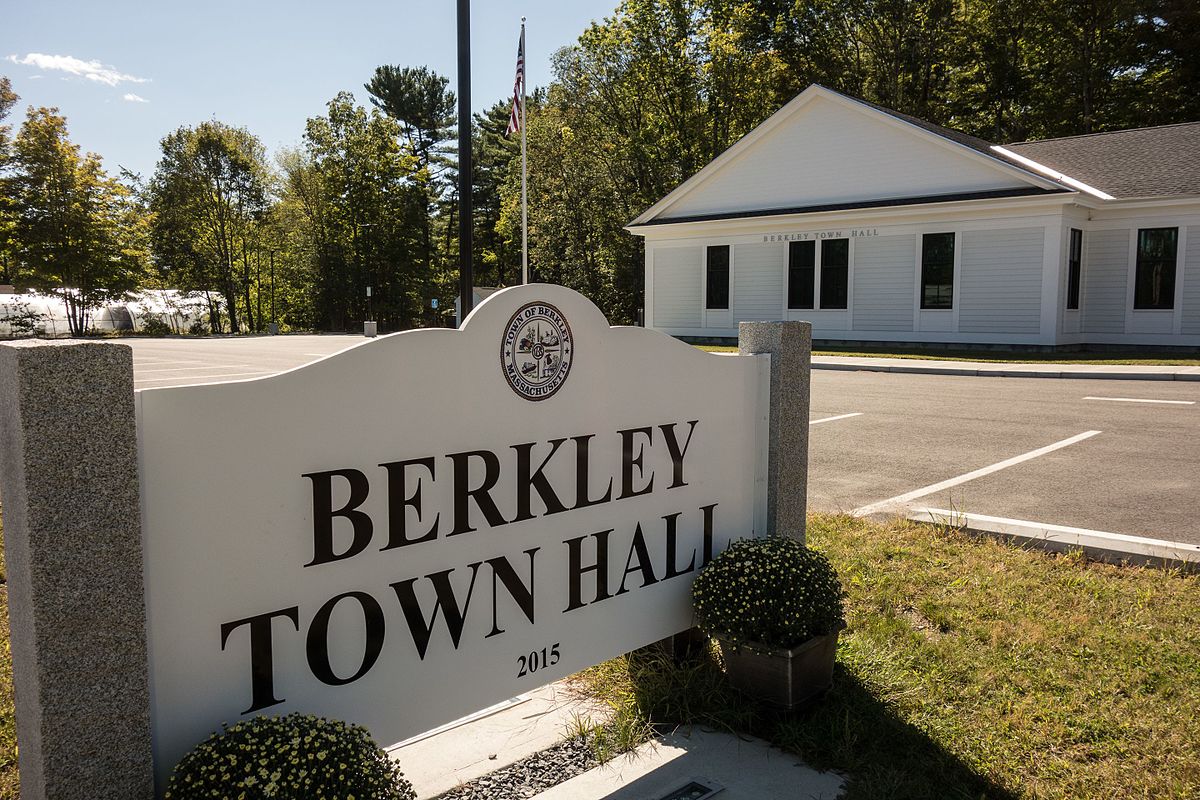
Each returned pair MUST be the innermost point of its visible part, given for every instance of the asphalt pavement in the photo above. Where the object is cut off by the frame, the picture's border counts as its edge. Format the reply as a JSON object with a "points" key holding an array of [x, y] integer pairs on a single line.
{"points": [[1131, 467], [1127, 462]]}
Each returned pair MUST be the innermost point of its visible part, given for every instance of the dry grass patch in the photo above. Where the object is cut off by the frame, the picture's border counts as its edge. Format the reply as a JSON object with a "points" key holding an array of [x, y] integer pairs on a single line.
{"points": [[10, 784]]}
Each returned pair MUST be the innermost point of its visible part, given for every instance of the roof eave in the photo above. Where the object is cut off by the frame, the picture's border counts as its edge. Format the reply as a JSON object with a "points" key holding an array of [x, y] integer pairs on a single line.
{"points": [[1050, 197]]}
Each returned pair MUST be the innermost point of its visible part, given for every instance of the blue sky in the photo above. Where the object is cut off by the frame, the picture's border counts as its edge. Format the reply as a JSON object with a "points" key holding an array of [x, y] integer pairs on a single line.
{"points": [[127, 73]]}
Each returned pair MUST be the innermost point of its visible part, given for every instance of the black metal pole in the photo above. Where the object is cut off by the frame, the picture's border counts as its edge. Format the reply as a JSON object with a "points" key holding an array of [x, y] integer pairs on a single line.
{"points": [[465, 277], [272, 286]]}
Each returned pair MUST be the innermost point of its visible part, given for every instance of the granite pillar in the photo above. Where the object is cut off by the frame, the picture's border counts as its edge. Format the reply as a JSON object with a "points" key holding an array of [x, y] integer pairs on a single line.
{"points": [[790, 346], [72, 539]]}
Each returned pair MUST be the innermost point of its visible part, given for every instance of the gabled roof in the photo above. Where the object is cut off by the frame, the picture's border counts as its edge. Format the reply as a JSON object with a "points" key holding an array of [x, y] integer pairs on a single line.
{"points": [[975, 150], [1143, 162]]}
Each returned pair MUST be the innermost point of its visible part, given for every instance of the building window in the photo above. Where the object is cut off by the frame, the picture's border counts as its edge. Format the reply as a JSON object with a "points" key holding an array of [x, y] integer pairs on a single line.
{"points": [[1154, 285], [835, 269], [801, 274], [1074, 268], [937, 270], [717, 281]]}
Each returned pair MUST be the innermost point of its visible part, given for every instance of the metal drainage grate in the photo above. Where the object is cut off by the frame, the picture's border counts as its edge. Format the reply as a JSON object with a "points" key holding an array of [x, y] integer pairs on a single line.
{"points": [[692, 789]]}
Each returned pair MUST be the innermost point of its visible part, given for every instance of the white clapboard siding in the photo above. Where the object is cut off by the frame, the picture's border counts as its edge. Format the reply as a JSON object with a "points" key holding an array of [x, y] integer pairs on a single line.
{"points": [[830, 153], [758, 282], [1001, 281], [677, 287], [1191, 282], [1106, 275], [883, 283]]}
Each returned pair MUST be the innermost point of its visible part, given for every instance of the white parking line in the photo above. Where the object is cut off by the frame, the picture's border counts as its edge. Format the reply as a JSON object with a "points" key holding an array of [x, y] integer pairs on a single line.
{"points": [[884, 505], [1140, 400], [834, 419], [1062, 534]]}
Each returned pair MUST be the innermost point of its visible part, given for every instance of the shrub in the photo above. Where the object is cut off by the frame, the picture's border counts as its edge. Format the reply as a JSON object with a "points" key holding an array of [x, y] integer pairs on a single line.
{"points": [[774, 593], [289, 758], [154, 325]]}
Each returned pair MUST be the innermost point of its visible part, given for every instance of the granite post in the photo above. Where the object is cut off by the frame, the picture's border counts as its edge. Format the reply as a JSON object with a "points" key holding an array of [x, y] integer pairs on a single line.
{"points": [[72, 540], [790, 346]]}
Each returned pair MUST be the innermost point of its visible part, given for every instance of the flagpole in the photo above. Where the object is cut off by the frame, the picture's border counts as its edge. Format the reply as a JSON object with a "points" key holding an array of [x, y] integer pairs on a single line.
{"points": [[524, 170], [466, 278]]}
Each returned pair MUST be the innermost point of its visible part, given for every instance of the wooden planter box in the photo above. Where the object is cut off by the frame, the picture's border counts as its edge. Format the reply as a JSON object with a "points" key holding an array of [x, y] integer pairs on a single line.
{"points": [[782, 678]]}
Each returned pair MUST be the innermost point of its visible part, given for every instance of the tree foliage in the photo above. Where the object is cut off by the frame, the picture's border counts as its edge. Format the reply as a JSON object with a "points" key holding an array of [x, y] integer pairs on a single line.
{"points": [[421, 102], [209, 195], [79, 232], [361, 195], [8, 255]]}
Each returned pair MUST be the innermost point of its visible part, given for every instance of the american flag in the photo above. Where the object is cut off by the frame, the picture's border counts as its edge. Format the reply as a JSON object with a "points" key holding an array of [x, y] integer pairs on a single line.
{"points": [[514, 118]]}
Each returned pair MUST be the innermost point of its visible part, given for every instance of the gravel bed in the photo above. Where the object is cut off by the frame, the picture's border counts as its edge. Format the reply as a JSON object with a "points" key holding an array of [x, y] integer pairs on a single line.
{"points": [[530, 776]]}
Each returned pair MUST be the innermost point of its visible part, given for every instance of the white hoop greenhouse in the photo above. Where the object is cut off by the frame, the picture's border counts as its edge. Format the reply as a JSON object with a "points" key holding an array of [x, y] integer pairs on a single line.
{"points": [[153, 311]]}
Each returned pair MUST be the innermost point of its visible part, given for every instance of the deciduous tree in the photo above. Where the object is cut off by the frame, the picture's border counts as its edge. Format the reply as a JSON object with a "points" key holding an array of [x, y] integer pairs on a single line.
{"points": [[80, 233], [208, 194]]}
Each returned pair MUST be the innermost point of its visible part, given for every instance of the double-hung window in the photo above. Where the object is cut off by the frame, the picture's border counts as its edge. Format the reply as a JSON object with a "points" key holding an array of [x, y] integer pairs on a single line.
{"points": [[716, 296], [802, 263], [835, 270], [1154, 284], [937, 270], [1074, 268]]}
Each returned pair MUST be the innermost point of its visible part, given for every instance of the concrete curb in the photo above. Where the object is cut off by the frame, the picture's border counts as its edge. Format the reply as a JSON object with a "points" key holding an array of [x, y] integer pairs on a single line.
{"points": [[994, 370], [1099, 545]]}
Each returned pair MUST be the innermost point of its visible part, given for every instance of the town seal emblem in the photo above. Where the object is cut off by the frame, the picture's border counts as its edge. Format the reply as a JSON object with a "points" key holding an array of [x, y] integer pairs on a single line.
{"points": [[536, 351]]}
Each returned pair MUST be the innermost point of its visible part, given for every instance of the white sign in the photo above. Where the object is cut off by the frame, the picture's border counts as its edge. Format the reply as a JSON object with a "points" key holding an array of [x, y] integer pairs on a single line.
{"points": [[436, 520]]}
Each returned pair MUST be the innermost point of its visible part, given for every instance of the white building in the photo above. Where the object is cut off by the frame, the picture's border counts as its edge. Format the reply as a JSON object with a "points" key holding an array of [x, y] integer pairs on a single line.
{"points": [[877, 226]]}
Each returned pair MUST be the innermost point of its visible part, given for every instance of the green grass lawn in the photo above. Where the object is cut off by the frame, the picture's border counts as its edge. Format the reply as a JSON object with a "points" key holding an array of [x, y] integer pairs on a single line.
{"points": [[1003, 356], [972, 669]]}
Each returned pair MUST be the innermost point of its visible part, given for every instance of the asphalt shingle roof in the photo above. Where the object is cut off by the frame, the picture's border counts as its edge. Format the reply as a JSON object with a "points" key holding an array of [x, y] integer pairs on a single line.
{"points": [[1144, 162]]}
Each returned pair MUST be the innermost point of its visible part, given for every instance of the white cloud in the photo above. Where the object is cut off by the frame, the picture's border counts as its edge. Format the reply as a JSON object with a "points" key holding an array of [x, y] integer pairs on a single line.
{"points": [[133, 98], [92, 70]]}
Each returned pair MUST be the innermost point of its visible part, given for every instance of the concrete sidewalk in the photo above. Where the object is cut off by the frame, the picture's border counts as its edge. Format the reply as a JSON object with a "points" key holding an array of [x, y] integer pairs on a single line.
{"points": [[742, 767], [489, 741], [1136, 372]]}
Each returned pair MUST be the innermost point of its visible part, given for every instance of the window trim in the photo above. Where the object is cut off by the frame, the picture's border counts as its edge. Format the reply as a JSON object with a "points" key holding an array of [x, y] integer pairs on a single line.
{"points": [[812, 286], [1137, 267], [953, 260], [728, 278], [819, 266], [1074, 269]]}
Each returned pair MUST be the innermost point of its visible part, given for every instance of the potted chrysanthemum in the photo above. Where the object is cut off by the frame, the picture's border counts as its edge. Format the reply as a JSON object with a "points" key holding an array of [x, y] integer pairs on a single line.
{"points": [[294, 756], [775, 608]]}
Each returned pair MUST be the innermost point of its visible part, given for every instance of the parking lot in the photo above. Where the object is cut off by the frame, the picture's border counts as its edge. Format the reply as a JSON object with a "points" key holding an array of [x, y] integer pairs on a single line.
{"points": [[1116, 456], [1110, 455]]}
